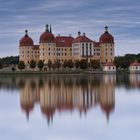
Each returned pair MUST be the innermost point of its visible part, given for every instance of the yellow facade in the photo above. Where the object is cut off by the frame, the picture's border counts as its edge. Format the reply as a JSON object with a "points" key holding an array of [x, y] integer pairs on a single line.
{"points": [[28, 53], [67, 48]]}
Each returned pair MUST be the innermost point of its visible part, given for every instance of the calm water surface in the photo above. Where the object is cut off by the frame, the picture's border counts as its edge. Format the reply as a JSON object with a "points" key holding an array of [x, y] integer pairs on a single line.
{"points": [[69, 107]]}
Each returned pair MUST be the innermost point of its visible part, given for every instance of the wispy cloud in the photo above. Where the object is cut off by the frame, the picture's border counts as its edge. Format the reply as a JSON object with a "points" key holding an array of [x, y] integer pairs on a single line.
{"points": [[68, 17]]}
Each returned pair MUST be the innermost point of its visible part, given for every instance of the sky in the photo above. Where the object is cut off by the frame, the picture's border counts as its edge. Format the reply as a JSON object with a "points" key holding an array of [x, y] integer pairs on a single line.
{"points": [[69, 17]]}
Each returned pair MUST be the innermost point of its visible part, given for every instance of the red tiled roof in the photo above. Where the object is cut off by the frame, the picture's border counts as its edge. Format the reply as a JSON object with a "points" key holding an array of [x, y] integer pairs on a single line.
{"points": [[109, 64], [106, 38], [136, 63], [36, 47], [96, 44], [26, 41], [47, 37], [83, 38], [64, 41]]}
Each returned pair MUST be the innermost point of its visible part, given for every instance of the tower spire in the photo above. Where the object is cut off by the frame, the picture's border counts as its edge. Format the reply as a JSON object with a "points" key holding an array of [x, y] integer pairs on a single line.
{"points": [[26, 32], [47, 28], [50, 29], [106, 28]]}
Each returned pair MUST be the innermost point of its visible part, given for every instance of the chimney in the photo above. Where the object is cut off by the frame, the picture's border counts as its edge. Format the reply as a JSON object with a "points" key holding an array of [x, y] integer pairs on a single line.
{"points": [[79, 33]]}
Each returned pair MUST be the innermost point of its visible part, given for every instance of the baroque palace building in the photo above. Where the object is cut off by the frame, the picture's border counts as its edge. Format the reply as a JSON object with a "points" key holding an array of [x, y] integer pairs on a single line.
{"points": [[67, 47]]}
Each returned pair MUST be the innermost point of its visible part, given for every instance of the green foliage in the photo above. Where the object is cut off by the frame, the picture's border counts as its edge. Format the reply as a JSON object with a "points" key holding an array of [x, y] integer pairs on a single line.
{"points": [[95, 64], [124, 61], [49, 64], [83, 64], [77, 64], [9, 60], [40, 64], [21, 65], [32, 64]]}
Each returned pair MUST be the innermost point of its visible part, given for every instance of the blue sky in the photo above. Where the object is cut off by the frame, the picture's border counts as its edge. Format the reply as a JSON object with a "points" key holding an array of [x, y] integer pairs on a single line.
{"points": [[68, 17]]}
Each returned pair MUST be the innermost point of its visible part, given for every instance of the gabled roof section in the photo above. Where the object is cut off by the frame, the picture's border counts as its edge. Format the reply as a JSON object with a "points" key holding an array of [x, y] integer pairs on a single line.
{"points": [[81, 39], [136, 63], [64, 41]]}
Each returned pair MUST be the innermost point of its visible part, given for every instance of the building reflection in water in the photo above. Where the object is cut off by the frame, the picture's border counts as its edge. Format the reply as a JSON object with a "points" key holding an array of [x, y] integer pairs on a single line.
{"points": [[68, 93]]}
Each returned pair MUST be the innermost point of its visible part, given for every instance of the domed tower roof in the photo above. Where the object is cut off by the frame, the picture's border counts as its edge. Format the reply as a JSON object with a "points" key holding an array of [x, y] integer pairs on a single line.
{"points": [[26, 40], [47, 36], [106, 37]]}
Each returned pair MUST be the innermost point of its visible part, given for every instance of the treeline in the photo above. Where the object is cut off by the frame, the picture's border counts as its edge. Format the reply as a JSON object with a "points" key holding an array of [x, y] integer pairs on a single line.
{"points": [[9, 60], [56, 65], [123, 62]]}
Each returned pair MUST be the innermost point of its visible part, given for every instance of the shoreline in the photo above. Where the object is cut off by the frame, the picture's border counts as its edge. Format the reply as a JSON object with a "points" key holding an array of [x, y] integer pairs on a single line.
{"points": [[78, 72]]}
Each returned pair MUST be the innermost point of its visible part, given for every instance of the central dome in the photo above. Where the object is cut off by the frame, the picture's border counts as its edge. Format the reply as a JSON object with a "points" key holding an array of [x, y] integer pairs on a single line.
{"points": [[26, 40], [106, 37], [47, 36]]}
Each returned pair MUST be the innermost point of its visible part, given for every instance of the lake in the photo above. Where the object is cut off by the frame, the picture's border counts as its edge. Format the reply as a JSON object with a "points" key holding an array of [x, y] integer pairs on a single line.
{"points": [[70, 107]]}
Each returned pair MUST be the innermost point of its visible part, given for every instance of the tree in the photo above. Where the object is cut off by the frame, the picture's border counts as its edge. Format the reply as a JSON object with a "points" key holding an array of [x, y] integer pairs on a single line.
{"points": [[49, 64], [77, 64], [65, 64], [21, 65], [83, 64], [32, 64], [124, 64], [70, 64], [57, 64], [95, 64], [0, 65], [40, 64]]}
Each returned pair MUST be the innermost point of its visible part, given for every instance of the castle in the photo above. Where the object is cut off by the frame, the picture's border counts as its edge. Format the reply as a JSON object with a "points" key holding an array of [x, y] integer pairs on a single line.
{"points": [[67, 48]]}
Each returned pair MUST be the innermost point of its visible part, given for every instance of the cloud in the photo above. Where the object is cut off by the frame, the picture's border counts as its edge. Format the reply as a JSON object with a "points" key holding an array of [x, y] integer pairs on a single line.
{"points": [[68, 17]]}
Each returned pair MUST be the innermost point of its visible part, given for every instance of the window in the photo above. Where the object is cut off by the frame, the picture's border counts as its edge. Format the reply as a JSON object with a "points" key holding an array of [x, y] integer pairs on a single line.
{"points": [[49, 49], [49, 53], [82, 50]]}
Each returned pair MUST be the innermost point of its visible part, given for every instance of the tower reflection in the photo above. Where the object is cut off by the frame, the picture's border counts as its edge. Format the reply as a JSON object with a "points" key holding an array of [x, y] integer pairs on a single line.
{"points": [[67, 93]]}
